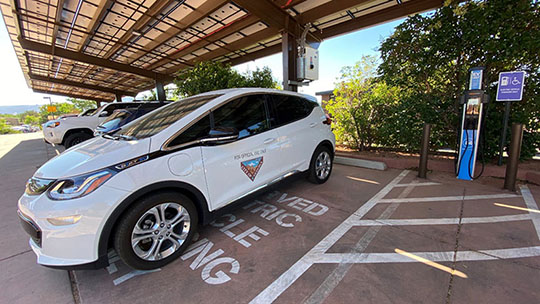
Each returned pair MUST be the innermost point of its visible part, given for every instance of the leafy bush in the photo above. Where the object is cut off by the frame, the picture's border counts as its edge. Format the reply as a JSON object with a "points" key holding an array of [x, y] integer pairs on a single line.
{"points": [[5, 128], [428, 58]]}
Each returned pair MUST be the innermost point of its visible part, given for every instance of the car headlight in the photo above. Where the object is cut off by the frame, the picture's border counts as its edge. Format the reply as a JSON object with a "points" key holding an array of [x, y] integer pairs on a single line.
{"points": [[36, 186], [53, 124], [79, 186]]}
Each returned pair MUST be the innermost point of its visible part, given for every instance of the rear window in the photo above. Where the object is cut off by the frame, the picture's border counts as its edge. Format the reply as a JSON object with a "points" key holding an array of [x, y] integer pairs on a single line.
{"points": [[287, 108], [158, 120]]}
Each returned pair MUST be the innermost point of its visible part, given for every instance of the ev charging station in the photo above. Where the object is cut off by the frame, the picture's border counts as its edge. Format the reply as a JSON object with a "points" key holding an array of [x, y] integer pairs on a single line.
{"points": [[472, 100]]}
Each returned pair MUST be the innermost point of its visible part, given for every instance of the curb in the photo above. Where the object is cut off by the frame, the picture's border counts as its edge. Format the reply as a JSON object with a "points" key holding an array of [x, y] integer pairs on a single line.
{"points": [[362, 163]]}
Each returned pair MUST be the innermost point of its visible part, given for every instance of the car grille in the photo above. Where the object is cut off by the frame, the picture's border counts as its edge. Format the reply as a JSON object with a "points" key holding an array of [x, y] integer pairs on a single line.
{"points": [[31, 228]]}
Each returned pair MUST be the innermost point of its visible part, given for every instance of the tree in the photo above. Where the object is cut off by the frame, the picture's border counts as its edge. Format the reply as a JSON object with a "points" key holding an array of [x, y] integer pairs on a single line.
{"points": [[82, 104], [428, 58], [360, 105], [209, 76], [31, 120], [5, 128]]}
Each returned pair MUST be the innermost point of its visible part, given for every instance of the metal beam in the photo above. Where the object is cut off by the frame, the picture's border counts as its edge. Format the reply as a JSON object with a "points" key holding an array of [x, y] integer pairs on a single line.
{"points": [[79, 85], [221, 33], [150, 14], [118, 97], [289, 50], [102, 9], [198, 14], [93, 60], [271, 50], [71, 95], [275, 17], [328, 9], [385, 15], [237, 45], [161, 96]]}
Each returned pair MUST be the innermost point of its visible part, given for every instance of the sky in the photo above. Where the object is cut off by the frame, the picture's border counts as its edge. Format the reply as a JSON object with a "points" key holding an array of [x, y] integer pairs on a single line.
{"points": [[334, 54]]}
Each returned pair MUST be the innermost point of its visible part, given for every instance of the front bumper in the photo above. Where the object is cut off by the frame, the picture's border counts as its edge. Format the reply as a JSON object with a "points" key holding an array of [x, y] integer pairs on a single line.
{"points": [[68, 246], [51, 136]]}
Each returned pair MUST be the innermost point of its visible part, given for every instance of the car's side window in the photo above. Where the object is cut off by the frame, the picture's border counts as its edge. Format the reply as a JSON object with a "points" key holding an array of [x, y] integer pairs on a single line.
{"points": [[287, 109], [247, 114], [197, 131]]}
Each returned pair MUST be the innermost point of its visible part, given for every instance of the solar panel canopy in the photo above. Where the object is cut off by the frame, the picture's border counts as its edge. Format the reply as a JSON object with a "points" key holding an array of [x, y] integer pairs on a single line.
{"points": [[99, 49]]}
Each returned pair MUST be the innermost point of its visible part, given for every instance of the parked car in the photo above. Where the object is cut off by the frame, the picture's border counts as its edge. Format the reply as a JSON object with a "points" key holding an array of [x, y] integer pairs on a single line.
{"points": [[25, 128], [145, 188], [123, 116], [69, 131]]}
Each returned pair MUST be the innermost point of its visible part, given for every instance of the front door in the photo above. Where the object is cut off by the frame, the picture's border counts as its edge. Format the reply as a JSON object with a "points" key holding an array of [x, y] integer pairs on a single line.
{"points": [[237, 168]]}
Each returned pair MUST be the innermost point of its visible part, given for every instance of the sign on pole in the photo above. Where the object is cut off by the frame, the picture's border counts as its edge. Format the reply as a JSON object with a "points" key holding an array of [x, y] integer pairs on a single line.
{"points": [[510, 86], [51, 109]]}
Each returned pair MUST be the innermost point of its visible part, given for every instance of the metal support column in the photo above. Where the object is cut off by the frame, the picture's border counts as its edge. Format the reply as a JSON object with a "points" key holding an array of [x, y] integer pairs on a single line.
{"points": [[289, 49], [118, 97], [513, 157], [160, 91], [424, 150], [98, 103]]}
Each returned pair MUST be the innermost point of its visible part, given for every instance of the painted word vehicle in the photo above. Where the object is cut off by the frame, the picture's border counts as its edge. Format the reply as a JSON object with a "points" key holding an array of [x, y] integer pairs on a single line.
{"points": [[145, 188]]}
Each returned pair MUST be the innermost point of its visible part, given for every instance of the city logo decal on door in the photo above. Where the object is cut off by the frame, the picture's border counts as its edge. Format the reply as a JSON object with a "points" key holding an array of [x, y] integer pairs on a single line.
{"points": [[251, 167]]}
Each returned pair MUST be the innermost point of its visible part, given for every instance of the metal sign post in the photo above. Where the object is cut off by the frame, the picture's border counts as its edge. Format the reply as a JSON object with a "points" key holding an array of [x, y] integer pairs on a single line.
{"points": [[510, 89]]}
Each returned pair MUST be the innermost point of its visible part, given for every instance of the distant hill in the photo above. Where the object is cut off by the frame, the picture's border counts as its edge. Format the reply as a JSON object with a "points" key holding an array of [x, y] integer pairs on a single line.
{"points": [[18, 109]]}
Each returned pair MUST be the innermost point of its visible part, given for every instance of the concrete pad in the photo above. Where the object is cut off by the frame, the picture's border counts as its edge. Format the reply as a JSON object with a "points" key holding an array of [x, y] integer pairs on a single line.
{"points": [[414, 239], [427, 210], [497, 282], [23, 281], [498, 235]]}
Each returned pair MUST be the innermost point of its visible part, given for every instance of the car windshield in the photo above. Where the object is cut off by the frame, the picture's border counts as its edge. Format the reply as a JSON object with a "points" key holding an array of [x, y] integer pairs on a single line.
{"points": [[114, 120], [158, 120]]}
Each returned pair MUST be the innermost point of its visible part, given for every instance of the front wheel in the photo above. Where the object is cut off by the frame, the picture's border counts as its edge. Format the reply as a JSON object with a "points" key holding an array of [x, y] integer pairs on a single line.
{"points": [[320, 166], [156, 230]]}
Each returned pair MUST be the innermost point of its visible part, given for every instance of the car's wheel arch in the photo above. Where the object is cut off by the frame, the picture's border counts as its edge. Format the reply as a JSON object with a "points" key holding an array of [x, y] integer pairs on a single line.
{"points": [[77, 130], [186, 189], [328, 144]]}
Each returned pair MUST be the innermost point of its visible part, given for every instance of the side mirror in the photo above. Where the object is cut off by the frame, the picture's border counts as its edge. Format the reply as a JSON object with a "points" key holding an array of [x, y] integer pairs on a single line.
{"points": [[103, 114], [221, 135]]}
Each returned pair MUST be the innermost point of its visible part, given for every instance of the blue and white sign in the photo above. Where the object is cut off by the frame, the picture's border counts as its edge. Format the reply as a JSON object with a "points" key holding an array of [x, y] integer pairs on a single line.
{"points": [[475, 83], [510, 86]]}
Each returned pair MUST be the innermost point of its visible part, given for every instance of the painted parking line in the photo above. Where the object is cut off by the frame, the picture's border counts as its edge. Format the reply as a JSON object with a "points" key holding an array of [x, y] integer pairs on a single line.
{"points": [[444, 256], [276, 288], [447, 198], [318, 253], [444, 221], [531, 204]]}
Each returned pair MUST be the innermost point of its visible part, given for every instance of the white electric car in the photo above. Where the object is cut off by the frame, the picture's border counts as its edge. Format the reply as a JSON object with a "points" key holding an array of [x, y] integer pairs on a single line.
{"points": [[145, 188]]}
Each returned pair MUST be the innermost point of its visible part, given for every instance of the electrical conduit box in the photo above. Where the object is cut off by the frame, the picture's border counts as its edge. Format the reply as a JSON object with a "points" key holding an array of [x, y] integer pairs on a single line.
{"points": [[308, 64]]}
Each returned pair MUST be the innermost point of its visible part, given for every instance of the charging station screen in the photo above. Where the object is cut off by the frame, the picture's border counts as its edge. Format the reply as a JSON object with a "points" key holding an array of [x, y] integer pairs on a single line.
{"points": [[473, 106]]}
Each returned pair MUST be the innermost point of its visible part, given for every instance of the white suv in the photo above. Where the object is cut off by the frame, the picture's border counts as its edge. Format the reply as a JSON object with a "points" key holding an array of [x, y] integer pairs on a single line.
{"points": [[72, 130], [145, 188]]}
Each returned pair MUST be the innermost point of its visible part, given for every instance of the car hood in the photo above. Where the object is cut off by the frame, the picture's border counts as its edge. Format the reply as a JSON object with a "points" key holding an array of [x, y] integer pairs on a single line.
{"points": [[92, 155]]}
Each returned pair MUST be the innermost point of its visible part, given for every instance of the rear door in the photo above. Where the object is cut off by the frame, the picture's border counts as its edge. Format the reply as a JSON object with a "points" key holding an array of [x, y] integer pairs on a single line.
{"points": [[237, 168], [294, 119]]}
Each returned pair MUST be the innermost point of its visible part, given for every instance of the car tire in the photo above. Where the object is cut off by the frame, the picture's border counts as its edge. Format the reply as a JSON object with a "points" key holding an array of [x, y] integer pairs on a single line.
{"points": [[140, 254], [320, 166], [76, 138]]}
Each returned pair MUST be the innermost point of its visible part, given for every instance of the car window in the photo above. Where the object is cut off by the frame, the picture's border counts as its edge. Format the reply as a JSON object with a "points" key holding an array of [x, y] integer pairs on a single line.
{"points": [[159, 119], [197, 131], [246, 114], [114, 120], [287, 109]]}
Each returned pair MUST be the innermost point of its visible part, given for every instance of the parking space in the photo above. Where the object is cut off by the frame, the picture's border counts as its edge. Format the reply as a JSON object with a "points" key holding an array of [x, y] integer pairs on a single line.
{"points": [[364, 236]]}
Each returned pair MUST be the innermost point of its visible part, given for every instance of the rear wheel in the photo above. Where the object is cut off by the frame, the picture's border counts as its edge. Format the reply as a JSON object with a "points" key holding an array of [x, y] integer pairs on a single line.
{"points": [[320, 167], [76, 138], [156, 230]]}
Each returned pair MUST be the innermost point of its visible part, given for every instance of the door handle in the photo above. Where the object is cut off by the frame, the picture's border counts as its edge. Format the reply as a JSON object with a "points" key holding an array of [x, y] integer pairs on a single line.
{"points": [[312, 125], [269, 140]]}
